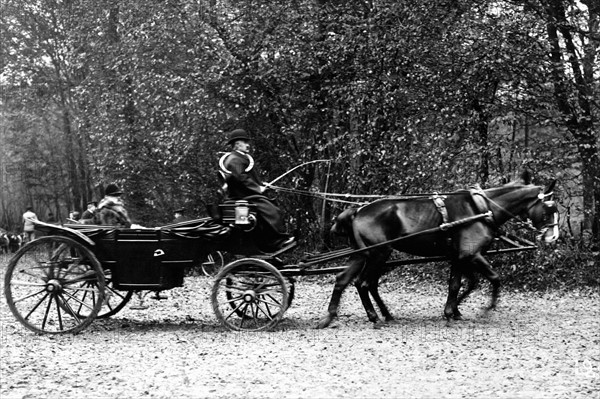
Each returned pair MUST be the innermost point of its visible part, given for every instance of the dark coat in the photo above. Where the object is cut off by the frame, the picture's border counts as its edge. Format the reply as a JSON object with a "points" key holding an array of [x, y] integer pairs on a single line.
{"points": [[241, 183], [111, 212]]}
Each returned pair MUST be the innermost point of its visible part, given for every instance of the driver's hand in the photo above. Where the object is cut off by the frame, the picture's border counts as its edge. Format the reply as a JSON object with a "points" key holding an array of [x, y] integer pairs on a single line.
{"points": [[265, 187]]}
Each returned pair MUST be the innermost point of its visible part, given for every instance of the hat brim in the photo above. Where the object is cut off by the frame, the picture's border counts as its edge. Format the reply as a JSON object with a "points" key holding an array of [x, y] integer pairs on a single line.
{"points": [[233, 140]]}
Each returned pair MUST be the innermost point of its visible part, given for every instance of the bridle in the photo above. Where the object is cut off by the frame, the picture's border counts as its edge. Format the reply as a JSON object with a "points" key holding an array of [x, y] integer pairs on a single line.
{"points": [[547, 205]]}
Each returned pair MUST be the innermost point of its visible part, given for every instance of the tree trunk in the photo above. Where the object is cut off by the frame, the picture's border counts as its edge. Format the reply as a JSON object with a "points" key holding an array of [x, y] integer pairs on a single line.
{"points": [[574, 104]]}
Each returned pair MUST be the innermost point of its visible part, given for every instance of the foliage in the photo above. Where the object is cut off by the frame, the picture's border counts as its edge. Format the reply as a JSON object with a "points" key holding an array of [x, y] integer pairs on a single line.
{"points": [[403, 96], [563, 267]]}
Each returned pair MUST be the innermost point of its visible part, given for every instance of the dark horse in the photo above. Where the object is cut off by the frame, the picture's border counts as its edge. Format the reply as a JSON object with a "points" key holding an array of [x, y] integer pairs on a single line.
{"points": [[413, 226]]}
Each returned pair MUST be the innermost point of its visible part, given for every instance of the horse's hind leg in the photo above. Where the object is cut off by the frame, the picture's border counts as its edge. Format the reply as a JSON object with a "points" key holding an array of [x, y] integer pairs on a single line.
{"points": [[374, 290], [368, 282], [485, 268], [341, 282], [363, 288]]}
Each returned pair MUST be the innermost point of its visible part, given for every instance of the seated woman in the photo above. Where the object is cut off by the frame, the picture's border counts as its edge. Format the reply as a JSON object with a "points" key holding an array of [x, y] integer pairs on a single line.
{"points": [[111, 210]]}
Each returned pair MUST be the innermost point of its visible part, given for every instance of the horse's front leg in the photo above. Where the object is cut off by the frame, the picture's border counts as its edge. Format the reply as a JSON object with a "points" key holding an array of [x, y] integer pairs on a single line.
{"points": [[374, 290], [341, 282], [472, 284], [454, 282]]}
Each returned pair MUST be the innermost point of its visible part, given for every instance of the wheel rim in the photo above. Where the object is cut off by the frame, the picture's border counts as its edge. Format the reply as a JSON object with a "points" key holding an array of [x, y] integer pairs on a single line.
{"points": [[113, 302], [249, 295], [54, 285], [213, 264]]}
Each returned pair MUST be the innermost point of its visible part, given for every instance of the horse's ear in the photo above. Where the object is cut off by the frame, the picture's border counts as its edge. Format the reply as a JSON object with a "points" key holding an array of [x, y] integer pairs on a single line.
{"points": [[526, 177], [550, 187]]}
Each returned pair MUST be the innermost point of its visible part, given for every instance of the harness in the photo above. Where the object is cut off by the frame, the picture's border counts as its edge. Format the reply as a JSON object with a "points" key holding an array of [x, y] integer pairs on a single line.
{"points": [[481, 204], [438, 201]]}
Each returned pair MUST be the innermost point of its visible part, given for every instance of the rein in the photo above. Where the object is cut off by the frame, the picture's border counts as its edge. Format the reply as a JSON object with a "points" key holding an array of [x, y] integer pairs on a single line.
{"points": [[345, 198]]}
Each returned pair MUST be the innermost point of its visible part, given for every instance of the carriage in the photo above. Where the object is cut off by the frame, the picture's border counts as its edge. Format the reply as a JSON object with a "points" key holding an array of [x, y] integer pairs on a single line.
{"points": [[76, 273]]}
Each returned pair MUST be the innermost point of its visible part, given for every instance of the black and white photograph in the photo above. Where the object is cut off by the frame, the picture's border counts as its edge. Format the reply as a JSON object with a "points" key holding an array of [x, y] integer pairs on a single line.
{"points": [[300, 199]]}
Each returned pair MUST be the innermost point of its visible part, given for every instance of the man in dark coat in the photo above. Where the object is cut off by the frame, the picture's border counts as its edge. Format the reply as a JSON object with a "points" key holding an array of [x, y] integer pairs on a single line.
{"points": [[243, 182]]}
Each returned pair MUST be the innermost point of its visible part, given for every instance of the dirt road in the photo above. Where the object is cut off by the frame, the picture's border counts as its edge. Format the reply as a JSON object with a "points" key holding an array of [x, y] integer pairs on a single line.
{"points": [[534, 346]]}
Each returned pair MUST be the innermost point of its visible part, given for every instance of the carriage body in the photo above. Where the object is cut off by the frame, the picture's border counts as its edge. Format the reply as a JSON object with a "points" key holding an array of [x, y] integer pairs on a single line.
{"points": [[76, 273], [148, 259]]}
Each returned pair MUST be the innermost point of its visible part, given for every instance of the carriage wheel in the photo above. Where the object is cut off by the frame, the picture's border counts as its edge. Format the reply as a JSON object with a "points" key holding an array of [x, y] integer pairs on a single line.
{"points": [[54, 285], [249, 295], [230, 295], [114, 300], [213, 264]]}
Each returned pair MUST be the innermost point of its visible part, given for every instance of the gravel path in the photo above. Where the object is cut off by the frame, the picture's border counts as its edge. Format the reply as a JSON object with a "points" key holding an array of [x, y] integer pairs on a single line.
{"points": [[534, 346]]}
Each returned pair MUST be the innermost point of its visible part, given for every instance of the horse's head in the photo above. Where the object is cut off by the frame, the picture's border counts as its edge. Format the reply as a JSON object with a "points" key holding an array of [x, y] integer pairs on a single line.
{"points": [[543, 215], [342, 223]]}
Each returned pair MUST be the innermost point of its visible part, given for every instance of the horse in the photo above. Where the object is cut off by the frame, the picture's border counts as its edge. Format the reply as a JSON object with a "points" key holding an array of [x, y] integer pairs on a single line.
{"points": [[460, 226]]}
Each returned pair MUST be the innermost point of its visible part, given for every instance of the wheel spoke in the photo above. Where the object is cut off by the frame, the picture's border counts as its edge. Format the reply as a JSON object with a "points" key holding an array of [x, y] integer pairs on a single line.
{"points": [[80, 302], [60, 322], [232, 300], [234, 310], [37, 305], [29, 296], [276, 303], [27, 284], [47, 312], [70, 310], [87, 276], [269, 316]]}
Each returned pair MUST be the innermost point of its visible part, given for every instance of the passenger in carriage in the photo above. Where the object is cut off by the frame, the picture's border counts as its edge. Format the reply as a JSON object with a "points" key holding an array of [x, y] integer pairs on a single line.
{"points": [[111, 209], [88, 214], [242, 182], [179, 216]]}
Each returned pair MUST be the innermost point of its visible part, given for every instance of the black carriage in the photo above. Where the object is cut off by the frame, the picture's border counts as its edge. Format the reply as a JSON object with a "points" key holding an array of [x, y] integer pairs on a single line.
{"points": [[63, 281]]}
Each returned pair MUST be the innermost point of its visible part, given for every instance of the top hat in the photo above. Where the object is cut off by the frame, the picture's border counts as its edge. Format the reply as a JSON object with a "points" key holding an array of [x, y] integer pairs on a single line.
{"points": [[238, 134], [92, 202], [180, 210], [113, 189]]}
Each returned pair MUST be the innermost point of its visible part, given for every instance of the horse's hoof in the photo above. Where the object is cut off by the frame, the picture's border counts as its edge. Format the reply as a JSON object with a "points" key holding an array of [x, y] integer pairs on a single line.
{"points": [[324, 323], [378, 324], [458, 317]]}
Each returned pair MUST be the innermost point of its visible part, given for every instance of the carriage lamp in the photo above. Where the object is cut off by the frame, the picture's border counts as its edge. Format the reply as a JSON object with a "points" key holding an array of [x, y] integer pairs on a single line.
{"points": [[242, 212]]}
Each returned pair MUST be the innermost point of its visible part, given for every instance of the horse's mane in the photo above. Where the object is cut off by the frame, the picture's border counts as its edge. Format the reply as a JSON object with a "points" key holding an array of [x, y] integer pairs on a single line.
{"points": [[510, 187]]}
